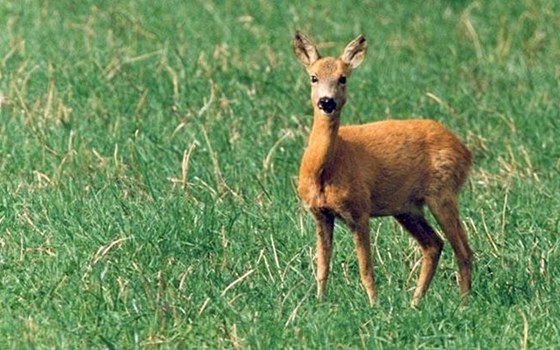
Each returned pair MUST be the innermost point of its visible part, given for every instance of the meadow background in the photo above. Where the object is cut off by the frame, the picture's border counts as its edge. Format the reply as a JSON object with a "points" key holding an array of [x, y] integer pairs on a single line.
{"points": [[148, 161]]}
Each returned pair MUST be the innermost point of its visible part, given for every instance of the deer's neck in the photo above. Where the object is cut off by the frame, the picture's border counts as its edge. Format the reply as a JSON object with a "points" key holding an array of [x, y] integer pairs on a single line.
{"points": [[321, 148]]}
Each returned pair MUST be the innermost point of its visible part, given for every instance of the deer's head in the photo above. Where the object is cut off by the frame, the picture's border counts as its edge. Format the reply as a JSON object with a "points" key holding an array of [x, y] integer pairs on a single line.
{"points": [[328, 75]]}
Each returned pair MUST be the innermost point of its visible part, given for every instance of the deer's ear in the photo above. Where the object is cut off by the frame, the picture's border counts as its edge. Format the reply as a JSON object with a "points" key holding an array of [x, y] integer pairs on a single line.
{"points": [[355, 52], [304, 49]]}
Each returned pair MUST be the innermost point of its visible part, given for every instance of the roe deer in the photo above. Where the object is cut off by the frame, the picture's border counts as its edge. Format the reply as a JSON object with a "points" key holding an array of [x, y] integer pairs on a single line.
{"points": [[386, 168]]}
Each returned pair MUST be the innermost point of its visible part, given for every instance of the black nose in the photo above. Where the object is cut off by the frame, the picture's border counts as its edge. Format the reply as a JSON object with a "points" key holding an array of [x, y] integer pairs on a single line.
{"points": [[327, 104]]}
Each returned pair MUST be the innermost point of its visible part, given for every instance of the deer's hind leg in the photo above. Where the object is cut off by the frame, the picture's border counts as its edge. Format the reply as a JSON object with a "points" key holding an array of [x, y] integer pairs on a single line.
{"points": [[431, 245], [445, 209]]}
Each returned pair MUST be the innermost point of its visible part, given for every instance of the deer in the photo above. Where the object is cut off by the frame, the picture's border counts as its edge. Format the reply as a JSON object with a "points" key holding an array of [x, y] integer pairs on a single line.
{"points": [[385, 168]]}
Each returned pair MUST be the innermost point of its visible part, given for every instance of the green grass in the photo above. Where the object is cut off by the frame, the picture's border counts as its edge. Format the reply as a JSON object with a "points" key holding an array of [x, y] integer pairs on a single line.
{"points": [[149, 151]]}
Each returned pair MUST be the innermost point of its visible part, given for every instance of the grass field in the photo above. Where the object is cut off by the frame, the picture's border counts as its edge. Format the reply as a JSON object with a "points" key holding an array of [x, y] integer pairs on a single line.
{"points": [[148, 161]]}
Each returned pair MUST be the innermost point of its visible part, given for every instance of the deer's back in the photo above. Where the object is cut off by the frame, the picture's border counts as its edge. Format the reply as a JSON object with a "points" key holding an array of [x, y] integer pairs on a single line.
{"points": [[396, 164]]}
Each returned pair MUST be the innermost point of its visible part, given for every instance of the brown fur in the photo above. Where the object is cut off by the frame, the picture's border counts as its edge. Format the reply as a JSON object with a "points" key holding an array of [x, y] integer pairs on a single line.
{"points": [[388, 168]]}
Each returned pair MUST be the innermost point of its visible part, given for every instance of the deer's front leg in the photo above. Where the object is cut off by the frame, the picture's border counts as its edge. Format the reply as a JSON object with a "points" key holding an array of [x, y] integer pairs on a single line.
{"points": [[325, 224]]}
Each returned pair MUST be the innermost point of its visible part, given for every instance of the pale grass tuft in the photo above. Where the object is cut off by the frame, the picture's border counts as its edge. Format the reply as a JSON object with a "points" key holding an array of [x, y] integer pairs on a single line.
{"points": [[471, 31], [208, 102], [20, 88], [183, 180], [293, 314], [474, 231], [267, 162], [221, 184], [525, 337], [18, 46], [116, 64], [174, 80], [154, 339], [25, 216], [262, 257], [512, 165], [42, 178], [67, 158], [141, 102], [234, 337], [104, 250], [290, 267], [276, 260], [203, 306], [488, 234], [50, 94], [245, 19], [444, 104], [503, 216], [183, 276], [375, 247], [413, 273], [237, 281]]}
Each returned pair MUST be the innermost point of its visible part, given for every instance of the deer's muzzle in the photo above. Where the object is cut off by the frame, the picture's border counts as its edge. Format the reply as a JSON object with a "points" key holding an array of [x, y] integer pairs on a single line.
{"points": [[326, 104]]}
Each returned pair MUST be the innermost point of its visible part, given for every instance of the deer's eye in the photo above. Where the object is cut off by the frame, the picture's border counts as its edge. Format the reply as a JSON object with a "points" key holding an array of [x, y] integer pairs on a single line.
{"points": [[314, 79], [342, 80]]}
